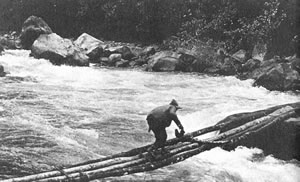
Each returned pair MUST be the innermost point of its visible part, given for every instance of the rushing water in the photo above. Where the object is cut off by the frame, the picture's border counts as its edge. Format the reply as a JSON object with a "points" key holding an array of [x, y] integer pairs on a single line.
{"points": [[51, 116]]}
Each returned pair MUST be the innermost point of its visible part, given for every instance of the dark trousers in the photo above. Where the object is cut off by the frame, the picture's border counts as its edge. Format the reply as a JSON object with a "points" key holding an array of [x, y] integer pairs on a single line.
{"points": [[160, 137]]}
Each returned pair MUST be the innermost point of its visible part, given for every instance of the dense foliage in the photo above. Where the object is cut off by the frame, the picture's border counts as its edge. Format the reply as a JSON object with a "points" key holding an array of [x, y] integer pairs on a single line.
{"points": [[233, 24]]}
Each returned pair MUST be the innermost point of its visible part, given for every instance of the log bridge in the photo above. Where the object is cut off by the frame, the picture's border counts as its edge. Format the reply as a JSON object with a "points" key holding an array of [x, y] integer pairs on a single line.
{"points": [[279, 125]]}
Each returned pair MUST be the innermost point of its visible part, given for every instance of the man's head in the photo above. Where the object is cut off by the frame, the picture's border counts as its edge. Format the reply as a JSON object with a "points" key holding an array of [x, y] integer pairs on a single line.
{"points": [[174, 103]]}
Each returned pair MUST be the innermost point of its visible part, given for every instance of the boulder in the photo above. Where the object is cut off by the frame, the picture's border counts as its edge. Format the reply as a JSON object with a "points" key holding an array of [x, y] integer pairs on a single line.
{"points": [[264, 67], [2, 73], [95, 54], [91, 46], [259, 51], [104, 61], [136, 51], [295, 63], [32, 28], [113, 58], [164, 61], [212, 70], [229, 67], [133, 64], [162, 54], [58, 50], [251, 65], [148, 51], [165, 64], [280, 139], [281, 77], [198, 65], [123, 50], [186, 57], [1, 49], [140, 61], [240, 56], [123, 63], [207, 63], [9, 41]]}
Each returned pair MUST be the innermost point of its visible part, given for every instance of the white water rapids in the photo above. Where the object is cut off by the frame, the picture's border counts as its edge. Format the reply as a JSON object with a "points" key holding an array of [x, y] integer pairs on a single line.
{"points": [[52, 116]]}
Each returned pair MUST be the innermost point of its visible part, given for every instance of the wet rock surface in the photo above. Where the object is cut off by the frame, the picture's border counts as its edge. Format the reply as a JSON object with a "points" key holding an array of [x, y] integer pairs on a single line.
{"points": [[32, 28]]}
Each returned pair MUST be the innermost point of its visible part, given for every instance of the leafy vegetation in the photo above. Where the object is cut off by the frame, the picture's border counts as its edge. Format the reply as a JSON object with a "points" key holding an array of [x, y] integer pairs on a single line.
{"points": [[232, 24]]}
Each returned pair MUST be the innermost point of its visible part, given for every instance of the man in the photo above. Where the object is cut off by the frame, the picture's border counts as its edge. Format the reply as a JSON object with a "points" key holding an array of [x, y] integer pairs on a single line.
{"points": [[160, 118]]}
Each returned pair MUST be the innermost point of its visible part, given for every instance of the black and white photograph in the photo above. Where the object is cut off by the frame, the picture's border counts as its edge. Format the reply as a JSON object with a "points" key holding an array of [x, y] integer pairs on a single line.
{"points": [[149, 90]]}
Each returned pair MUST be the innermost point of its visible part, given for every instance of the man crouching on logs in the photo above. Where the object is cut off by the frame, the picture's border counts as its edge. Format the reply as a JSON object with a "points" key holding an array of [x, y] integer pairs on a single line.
{"points": [[160, 118]]}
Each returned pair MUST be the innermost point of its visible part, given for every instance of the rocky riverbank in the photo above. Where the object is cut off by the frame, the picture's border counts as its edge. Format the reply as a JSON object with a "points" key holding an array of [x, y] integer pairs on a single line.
{"points": [[280, 74]]}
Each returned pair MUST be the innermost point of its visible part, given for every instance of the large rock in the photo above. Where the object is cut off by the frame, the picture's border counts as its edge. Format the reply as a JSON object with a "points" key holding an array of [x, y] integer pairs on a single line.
{"points": [[148, 51], [164, 61], [10, 41], [187, 57], [296, 64], [166, 64], [123, 63], [104, 61], [207, 63], [139, 62], [240, 56], [162, 54], [259, 51], [280, 139], [125, 51], [229, 67], [280, 77], [251, 65], [264, 66], [58, 50], [2, 73], [113, 58], [198, 65], [91, 46], [32, 28], [1, 49]]}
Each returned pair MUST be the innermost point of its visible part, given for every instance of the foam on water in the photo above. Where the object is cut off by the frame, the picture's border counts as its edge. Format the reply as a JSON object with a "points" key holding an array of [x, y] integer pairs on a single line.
{"points": [[245, 165], [88, 112]]}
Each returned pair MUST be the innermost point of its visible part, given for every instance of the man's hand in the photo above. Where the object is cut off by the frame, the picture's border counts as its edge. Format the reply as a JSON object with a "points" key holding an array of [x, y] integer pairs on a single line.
{"points": [[182, 131], [179, 135]]}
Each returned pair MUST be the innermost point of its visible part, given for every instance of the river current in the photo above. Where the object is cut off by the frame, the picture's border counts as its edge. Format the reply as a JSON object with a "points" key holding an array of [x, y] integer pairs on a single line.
{"points": [[52, 116]]}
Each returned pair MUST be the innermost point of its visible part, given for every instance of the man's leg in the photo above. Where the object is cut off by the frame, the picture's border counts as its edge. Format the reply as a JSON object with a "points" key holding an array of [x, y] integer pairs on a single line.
{"points": [[161, 138]]}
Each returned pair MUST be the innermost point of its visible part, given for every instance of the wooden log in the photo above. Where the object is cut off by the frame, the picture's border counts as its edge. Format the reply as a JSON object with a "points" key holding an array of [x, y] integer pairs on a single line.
{"points": [[280, 118], [131, 162], [92, 166], [267, 118], [175, 156], [79, 173], [112, 169], [151, 166], [186, 137], [239, 119], [279, 115], [66, 171], [84, 173], [223, 125]]}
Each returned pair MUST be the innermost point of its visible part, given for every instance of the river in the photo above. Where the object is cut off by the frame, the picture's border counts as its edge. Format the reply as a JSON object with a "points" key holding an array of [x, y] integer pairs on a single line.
{"points": [[52, 116]]}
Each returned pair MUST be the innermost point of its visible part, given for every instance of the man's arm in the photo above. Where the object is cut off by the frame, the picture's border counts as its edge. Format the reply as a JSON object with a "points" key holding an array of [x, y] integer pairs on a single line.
{"points": [[175, 118]]}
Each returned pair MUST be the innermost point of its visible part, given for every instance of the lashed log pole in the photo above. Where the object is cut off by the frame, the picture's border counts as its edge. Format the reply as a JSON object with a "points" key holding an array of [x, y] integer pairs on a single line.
{"points": [[131, 162], [276, 116], [286, 112], [224, 125]]}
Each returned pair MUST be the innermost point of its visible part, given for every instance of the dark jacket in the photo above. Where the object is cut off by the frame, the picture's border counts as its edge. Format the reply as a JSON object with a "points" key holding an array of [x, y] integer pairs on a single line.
{"points": [[161, 117]]}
